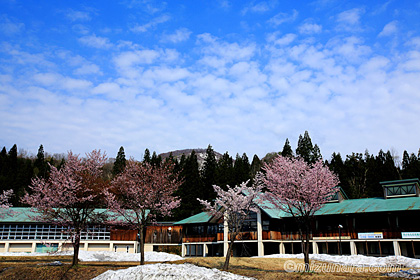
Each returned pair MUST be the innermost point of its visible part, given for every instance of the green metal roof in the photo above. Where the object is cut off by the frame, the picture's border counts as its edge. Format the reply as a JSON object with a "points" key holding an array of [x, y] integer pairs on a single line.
{"points": [[400, 182], [354, 206], [25, 215], [199, 218], [20, 214], [348, 206]]}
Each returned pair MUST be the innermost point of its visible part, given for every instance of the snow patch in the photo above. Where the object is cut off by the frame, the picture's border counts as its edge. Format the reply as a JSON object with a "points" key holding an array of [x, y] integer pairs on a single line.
{"points": [[355, 260], [106, 256], [169, 272]]}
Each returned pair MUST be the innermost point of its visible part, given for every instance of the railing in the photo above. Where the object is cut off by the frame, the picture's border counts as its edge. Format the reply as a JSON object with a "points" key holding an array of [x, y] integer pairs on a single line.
{"points": [[198, 238], [329, 234]]}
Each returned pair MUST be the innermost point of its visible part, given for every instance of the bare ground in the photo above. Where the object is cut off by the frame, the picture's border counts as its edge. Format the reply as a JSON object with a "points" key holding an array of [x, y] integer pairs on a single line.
{"points": [[259, 268]]}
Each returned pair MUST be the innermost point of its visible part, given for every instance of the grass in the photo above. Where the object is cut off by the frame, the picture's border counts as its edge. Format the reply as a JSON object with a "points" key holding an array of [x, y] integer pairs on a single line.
{"points": [[259, 268]]}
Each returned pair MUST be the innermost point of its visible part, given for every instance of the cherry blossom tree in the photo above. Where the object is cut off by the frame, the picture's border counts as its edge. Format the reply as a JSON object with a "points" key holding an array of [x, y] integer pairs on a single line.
{"points": [[235, 204], [70, 196], [141, 192], [299, 189], [4, 203]]}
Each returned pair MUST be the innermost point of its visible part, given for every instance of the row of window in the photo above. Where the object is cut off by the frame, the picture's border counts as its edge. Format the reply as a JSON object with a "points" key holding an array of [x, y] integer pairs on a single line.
{"points": [[48, 232]]}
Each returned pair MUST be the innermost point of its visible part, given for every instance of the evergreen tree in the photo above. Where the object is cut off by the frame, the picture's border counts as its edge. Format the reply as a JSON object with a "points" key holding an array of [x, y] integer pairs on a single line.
{"points": [[40, 167], [225, 175], [12, 159], [305, 148], [146, 157], [242, 169], [190, 190], [355, 167], [316, 154], [155, 160], [255, 166], [337, 166], [287, 149], [3, 169], [405, 160], [208, 174], [170, 159], [119, 163], [410, 166]]}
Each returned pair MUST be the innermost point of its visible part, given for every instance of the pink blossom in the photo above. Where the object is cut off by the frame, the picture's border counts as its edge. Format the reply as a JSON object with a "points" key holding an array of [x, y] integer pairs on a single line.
{"points": [[141, 192]]}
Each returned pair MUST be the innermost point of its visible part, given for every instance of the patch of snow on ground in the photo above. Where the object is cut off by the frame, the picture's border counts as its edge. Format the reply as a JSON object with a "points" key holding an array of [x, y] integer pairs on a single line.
{"points": [[104, 256], [355, 260], [107, 256], [169, 272]]}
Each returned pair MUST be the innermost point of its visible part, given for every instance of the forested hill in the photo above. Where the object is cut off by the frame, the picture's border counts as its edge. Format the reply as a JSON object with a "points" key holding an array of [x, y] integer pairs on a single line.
{"points": [[201, 155], [359, 173]]}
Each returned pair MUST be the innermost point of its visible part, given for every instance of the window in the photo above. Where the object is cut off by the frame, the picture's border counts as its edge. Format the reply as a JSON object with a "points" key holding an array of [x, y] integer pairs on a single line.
{"points": [[250, 223], [400, 190], [48, 232]]}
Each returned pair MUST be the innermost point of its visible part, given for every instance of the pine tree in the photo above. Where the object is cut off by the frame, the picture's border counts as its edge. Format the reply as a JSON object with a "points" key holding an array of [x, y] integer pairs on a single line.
{"points": [[405, 161], [225, 175], [190, 190], [316, 154], [40, 167], [355, 167], [208, 174], [410, 166], [155, 160], [146, 157], [255, 166], [310, 153], [337, 166], [3, 169], [287, 149], [305, 148], [119, 163], [242, 169]]}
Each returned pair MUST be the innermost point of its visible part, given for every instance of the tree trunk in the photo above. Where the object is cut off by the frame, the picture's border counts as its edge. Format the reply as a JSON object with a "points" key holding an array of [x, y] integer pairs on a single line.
{"points": [[76, 247], [229, 252], [141, 236], [307, 244]]}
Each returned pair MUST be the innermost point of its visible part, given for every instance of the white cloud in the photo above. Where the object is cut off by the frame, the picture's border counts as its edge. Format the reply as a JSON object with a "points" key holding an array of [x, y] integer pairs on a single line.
{"points": [[180, 35], [151, 24], [310, 28], [282, 41], [225, 4], [128, 59], [10, 26], [96, 42], [389, 29], [78, 15], [281, 18], [149, 6], [350, 20], [57, 81], [225, 52], [348, 97], [414, 42], [259, 7], [88, 69]]}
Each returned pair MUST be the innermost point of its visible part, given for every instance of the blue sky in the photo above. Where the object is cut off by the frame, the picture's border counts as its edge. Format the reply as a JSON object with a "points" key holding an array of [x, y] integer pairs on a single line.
{"points": [[240, 75]]}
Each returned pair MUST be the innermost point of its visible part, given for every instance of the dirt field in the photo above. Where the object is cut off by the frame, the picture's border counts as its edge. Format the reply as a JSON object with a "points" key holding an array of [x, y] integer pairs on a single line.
{"points": [[260, 268]]}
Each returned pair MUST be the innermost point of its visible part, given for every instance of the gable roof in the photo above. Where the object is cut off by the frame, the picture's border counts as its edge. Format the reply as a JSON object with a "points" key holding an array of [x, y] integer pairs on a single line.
{"points": [[26, 215], [348, 206], [203, 217], [353, 206]]}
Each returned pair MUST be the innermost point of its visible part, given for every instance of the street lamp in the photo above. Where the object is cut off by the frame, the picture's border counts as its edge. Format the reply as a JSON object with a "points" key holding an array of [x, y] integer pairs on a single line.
{"points": [[339, 236], [169, 234]]}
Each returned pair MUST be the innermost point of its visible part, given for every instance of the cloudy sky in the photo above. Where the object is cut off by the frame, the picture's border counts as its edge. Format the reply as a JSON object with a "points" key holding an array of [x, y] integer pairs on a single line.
{"points": [[240, 75]]}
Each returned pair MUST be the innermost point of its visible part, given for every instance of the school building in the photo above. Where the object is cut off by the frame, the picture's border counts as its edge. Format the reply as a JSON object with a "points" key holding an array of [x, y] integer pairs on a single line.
{"points": [[382, 226]]}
